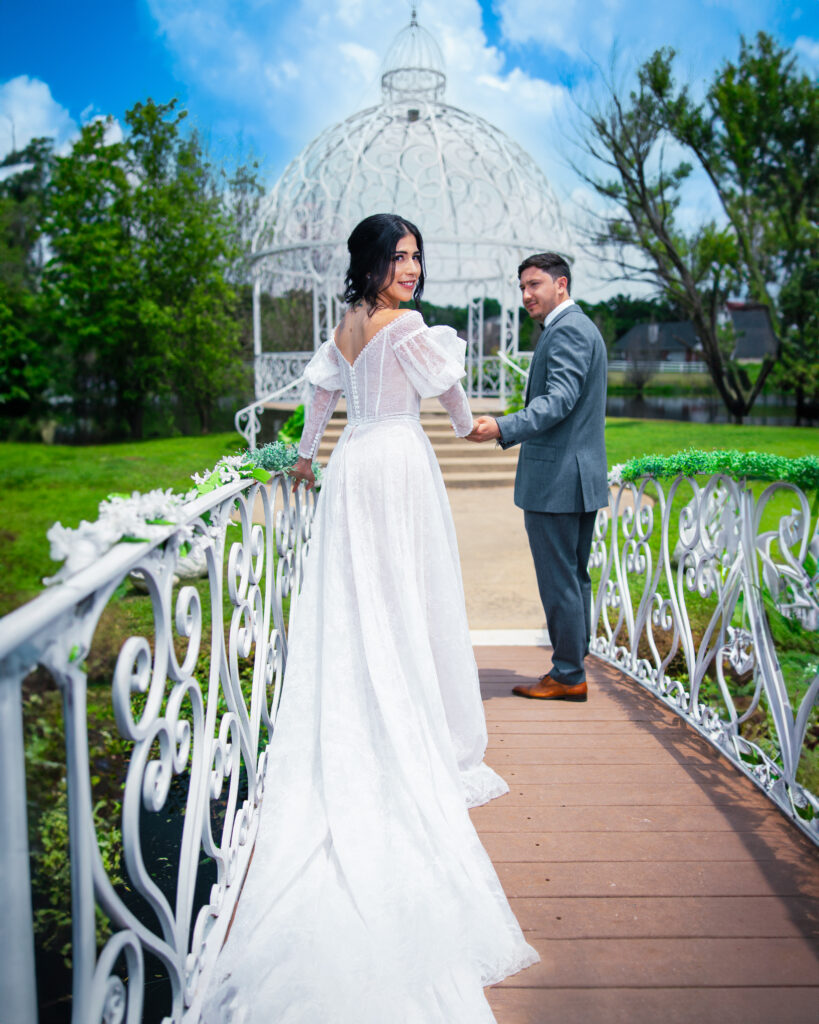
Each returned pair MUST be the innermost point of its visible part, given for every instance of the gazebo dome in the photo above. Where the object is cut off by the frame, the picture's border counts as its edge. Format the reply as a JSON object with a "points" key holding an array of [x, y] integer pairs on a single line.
{"points": [[479, 200]]}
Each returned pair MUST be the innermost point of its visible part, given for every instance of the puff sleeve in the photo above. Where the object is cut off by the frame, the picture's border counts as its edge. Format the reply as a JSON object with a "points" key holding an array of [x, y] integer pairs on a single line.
{"points": [[323, 370], [324, 373], [432, 357], [433, 360]]}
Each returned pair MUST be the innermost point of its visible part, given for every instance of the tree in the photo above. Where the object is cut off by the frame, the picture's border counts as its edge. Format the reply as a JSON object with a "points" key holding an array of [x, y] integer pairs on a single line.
{"points": [[95, 286], [137, 286], [798, 369], [25, 370], [188, 246], [752, 136], [757, 137]]}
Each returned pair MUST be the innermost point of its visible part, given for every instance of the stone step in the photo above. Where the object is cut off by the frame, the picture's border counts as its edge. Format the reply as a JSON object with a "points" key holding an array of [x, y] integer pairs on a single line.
{"points": [[447, 443], [479, 464], [479, 479], [462, 464], [460, 452]]}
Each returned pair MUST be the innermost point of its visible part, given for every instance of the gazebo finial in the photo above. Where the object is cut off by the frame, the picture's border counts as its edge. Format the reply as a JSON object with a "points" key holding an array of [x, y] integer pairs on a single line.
{"points": [[414, 66]]}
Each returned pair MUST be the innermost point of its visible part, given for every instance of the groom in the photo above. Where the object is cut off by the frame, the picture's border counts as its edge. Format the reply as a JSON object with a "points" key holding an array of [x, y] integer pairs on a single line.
{"points": [[562, 470]]}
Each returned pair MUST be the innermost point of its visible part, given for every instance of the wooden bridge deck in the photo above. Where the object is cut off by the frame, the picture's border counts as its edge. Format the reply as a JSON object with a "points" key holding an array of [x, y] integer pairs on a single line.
{"points": [[656, 882]]}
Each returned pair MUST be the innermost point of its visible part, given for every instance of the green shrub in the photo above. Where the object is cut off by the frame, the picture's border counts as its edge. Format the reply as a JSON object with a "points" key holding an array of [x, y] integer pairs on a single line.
{"points": [[293, 426]]}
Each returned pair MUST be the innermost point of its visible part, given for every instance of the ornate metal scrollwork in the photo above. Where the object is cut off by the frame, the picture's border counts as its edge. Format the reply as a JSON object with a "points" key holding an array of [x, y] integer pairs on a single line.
{"points": [[195, 701], [688, 584]]}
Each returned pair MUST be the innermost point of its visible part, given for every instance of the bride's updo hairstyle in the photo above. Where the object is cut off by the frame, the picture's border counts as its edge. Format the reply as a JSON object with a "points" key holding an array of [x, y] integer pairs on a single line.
{"points": [[372, 246]]}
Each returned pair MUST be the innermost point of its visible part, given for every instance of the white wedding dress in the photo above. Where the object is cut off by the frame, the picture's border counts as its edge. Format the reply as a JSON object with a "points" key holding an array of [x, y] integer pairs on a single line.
{"points": [[370, 899]]}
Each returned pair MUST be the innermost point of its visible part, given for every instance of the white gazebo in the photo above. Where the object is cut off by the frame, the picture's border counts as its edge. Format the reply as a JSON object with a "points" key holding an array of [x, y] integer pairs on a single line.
{"points": [[480, 201]]}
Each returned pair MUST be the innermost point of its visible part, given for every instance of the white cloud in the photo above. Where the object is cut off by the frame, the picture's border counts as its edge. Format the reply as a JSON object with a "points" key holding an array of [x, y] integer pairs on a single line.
{"points": [[29, 111], [296, 69], [572, 28], [808, 49]]}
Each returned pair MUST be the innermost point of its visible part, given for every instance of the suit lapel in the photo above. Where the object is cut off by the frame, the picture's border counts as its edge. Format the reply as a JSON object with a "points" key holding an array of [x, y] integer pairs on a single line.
{"points": [[541, 341]]}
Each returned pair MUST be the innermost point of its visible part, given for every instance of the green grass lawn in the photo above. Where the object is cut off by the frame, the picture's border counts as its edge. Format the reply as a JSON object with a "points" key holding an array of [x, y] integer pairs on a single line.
{"points": [[627, 438], [42, 483]]}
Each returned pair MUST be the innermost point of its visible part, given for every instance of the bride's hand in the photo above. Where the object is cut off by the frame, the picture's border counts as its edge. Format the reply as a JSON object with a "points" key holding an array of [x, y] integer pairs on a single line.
{"points": [[484, 428], [303, 471]]}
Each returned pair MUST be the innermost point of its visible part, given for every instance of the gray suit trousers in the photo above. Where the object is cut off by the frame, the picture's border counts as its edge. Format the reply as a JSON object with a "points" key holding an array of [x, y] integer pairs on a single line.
{"points": [[561, 543]]}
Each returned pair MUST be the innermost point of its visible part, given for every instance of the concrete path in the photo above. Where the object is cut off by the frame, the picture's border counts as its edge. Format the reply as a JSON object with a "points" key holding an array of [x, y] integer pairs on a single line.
{"points": [[499, 578]]}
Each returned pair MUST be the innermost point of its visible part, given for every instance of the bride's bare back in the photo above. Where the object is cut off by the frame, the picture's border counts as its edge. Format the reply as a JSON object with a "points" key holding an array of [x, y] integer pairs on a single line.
{"points": [[357, 329]]}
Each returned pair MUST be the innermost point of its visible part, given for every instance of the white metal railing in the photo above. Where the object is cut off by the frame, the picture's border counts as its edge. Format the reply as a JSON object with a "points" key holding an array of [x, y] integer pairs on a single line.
{"points": [[246, 420], [272, 370], [657, 366], [694, 581], [187, 722], [521, 371]]}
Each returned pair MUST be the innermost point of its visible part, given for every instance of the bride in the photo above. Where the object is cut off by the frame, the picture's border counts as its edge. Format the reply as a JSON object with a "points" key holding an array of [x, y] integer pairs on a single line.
{"points": [[370, 899]]}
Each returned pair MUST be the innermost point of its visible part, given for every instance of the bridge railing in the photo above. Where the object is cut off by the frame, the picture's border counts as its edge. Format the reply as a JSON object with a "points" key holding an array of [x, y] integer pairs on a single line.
{"points": [[706, 591], [192, 702]]}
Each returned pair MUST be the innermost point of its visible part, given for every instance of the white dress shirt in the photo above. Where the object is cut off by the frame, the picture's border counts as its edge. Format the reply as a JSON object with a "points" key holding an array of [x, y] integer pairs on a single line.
{"points": [[556, 310]]}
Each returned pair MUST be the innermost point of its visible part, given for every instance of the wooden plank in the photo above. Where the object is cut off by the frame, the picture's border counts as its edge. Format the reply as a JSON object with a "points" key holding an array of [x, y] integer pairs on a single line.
{"points": [[667, 917], [655, 880], [626, 1005], [660, 847], [641, 878], [649, 963]]}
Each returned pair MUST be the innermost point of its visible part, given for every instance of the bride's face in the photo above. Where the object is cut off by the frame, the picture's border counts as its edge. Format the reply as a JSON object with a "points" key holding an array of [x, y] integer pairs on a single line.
{"points": [[404, 274]]}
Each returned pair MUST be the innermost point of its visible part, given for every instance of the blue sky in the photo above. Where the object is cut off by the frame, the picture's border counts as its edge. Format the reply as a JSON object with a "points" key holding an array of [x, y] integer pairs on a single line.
{"points": [[275, 73], [268, 75]]}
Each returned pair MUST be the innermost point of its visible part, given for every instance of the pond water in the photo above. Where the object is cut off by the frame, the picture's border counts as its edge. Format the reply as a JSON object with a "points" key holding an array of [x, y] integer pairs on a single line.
{"points": [[768, 410]]}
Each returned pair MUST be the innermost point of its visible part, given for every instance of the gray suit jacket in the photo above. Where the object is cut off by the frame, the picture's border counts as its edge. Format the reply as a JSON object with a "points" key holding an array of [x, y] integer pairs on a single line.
{"points": [[562, 465]]}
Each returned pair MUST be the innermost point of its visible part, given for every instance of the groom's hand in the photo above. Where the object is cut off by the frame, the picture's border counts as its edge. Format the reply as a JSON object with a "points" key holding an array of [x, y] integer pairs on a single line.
{"points": [[485, 428]]}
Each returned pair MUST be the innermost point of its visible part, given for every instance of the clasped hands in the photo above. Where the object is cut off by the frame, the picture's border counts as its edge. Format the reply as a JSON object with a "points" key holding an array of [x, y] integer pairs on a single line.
{"points": [[484, 428]]}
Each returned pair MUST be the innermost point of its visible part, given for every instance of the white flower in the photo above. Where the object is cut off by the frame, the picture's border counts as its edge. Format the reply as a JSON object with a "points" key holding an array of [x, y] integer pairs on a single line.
{"points": [[78, 548], [138, 516], [616, 475]]}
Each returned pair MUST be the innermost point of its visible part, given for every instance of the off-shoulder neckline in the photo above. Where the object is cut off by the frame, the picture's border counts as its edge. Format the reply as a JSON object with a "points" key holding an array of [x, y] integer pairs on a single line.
{"points": [[364, 348]]}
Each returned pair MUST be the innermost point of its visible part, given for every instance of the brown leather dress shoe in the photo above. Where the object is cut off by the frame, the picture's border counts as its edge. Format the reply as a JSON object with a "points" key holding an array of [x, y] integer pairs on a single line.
{"points": [[547, 688]]}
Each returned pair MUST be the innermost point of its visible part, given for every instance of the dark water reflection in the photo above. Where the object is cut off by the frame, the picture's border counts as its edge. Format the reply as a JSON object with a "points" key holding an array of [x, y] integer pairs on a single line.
{"points": [[768, 410]]}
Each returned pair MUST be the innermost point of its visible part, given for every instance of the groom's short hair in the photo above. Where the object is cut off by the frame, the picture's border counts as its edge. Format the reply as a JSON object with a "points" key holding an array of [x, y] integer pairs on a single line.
{"points": [[553, 263]]}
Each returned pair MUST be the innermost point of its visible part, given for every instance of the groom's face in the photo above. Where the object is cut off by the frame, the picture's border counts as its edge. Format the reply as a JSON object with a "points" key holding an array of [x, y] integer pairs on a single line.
{"points": [[540, 292]]}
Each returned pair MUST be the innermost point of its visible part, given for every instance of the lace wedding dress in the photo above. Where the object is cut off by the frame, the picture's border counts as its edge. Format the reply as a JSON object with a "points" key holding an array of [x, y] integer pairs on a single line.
{"points": [[370, 899]]}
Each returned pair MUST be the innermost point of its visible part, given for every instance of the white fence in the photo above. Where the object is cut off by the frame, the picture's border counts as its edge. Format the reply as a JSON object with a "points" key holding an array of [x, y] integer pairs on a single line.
{"points": [[656, 366]]}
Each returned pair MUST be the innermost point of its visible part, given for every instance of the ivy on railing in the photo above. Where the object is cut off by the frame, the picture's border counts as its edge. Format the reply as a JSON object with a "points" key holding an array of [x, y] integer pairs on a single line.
{"points": [[802, 472]]}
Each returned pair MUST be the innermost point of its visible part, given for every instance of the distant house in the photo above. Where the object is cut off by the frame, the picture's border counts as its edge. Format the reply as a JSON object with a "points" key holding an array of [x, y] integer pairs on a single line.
{"points": [[754, 332], [675, 341], [678, 342]]}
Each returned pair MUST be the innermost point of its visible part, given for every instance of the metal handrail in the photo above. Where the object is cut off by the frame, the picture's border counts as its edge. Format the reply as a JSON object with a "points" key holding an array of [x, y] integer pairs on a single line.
{"points": [[513, 365], [249, 429], [660, 546]]}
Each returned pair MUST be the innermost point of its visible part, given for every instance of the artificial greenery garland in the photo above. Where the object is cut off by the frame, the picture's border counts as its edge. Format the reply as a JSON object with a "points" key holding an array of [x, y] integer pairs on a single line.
{"points": [[803, 472]]}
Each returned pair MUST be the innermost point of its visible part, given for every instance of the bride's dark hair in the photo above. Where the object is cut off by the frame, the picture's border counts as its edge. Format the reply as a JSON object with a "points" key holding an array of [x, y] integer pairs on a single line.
{"points": [[372, 248]]}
